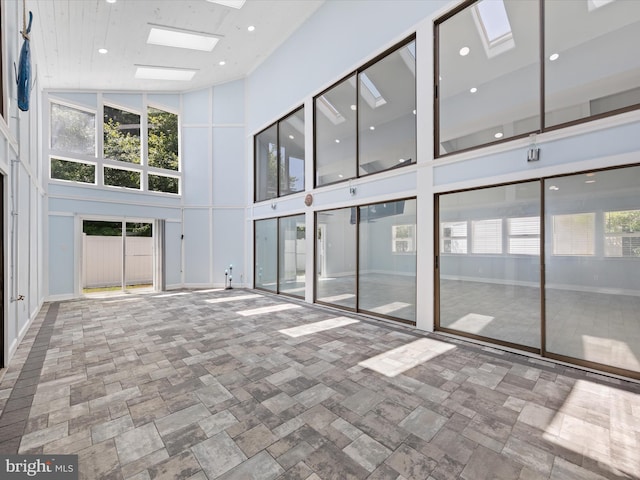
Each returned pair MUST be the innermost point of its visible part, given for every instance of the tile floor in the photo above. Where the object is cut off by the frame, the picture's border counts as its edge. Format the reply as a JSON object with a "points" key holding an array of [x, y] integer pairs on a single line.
{"points": [[238, 384]]}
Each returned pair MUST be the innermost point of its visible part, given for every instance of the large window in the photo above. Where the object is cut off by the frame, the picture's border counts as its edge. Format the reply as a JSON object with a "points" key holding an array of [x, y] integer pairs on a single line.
{"points": [[279, 158], [485, 290], [123, 161], [622, 233], [280, 255], [366, 123], [366, 259], [488, 84]]}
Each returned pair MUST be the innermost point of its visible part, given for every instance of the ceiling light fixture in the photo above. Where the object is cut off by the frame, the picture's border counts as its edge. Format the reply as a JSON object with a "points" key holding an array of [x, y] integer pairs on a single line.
{"points": [[554, 56], [464, 51], [354, 108], [229, 3], [103, 51], [150, 72], [499, 135], [590, 181], [222, 62], [251, 28], [554, 188], [337, 140], [291, 137], [180, 38], [372, 127], [473, 89], [112, 1]]}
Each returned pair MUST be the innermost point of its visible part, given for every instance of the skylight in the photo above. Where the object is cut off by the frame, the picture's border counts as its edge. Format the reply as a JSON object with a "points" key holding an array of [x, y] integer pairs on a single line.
{"points": [[229, 3], [595, 4], [163, 73], [370, 93], [181, 39], [329, 111], [493, 25]]}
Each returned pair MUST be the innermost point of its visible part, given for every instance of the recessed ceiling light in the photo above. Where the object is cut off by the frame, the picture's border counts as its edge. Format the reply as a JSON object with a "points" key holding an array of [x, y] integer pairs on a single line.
{"points": [[498, 135], [473, 89], [372, 127], [554, 188], [229, 3], [414, 112], [401, 160], [170, 37], [590, 174], [590, 181], [111, 1], [103, 51], [337, 140], [164, 73], [340, 175], [222, 62], [291, 137], [464, 51], [554, 56], [353, 107], [251, 28]]}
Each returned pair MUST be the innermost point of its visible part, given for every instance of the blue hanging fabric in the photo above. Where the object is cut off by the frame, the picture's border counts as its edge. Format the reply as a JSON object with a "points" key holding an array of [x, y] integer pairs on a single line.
{"points": [[24, 67]]}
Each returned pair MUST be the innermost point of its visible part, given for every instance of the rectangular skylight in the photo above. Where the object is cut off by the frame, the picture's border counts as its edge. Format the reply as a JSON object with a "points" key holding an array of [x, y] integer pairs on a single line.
{"points": [[493, 25], [181, 39], [370, 93], [164, 73], [329, 111], [229, 3], [495, 21]]}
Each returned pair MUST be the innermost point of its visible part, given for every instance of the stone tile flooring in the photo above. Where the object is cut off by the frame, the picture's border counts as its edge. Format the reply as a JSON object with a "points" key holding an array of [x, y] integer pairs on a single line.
{"points": [[242, 385]]}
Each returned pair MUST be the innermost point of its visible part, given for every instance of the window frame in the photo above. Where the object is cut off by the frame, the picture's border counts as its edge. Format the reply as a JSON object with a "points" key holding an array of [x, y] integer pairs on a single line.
{"points": [[276, 124], [406, 41], [543, 128]]}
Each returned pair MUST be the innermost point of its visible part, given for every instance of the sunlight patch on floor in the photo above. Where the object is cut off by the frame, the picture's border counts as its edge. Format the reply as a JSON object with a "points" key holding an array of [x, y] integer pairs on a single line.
{"points": [[233, 299], [399, 360], [310, 328], [471, 323], [389, 307], [270, 309]]}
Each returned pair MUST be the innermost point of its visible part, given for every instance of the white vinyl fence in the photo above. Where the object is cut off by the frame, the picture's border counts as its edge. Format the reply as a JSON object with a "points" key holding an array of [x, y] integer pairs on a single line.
{"points": [[102, 261]]}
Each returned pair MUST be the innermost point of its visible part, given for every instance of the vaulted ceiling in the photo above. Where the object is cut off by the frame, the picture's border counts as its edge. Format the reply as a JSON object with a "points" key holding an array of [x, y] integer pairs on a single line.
{"points": [[68, 34]]}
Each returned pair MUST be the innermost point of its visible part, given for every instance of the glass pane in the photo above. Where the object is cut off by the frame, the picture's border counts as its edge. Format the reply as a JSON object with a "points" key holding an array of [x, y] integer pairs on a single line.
{"points": [[163, 139], [588, 70], [73, 171], [386, 112], [266, 254], [292, 153], [73, 130], [266, 163], [335, 132], [138, 261], [117, 177], [292, 254], [489, 80], [336, 257], [489, 292], [387, 280], [592, 286], [121, 135], [160, 183], [102, 255]]}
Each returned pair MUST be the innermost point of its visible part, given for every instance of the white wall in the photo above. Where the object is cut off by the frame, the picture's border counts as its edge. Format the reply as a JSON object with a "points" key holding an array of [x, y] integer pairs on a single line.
{"points": [[23, 193]]}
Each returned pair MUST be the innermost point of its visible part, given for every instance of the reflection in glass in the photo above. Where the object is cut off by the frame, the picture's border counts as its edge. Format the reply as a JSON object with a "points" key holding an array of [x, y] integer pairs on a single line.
{"points": [[592, 67], [335, 132], [592, 288], [489, 81], [117, 177], [484, 290], [292, 250], [121, 135], [162, 183], [336, 257], [73, 171], [266, 167], [387, 277], [266, 254], [291, 137], [73, 130], [386, 112]]}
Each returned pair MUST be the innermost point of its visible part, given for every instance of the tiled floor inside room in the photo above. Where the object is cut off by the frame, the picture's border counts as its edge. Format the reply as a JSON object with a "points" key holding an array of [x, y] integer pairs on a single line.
{"points": [[238, 384]]}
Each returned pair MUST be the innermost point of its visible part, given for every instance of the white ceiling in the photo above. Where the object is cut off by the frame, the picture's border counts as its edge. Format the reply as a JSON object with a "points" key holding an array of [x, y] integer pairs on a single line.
{"points": [[67, 34]]}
